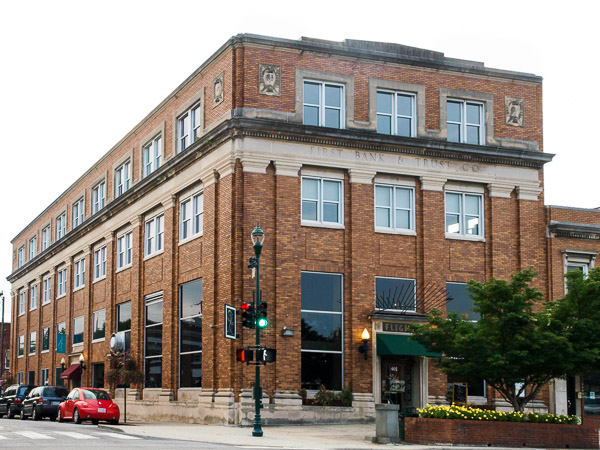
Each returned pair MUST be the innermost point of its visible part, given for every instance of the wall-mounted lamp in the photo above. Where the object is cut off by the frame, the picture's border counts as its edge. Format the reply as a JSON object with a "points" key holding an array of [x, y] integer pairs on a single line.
{"points": [[62, 364], [364, 348], [287, 331], [81, 362]]}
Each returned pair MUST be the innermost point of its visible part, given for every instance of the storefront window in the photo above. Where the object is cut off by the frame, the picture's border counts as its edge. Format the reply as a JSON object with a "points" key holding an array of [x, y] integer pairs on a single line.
{"points": [[190, 334]]}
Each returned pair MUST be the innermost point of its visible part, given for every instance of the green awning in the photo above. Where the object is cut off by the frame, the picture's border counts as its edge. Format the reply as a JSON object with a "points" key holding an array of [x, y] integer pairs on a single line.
{"points": [[398, 344]]}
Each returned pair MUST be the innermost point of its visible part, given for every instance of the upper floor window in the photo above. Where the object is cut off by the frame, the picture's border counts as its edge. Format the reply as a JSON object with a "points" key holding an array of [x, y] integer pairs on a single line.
{"points": [[21, 256], [188, 127], [464, 214], [79, 273], [100, 263], [61, 226], [98, 325], [78, 324], [122, 178], [394, 207], [323, 104], [190, 216], [21, 349], [154, 234], [61, 283], [321, 200], [32, 342], [124, 250], [396, 113], [22, 302], [465, 121], [396, 294], [151, 155], [45, 237], [33, 297], [98, 197], [32, 247], [124, 322], [78, 212], [47, 290], [460, 301]]}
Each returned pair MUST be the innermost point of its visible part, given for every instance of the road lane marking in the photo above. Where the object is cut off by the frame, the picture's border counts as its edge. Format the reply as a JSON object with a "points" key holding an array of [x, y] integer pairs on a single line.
{"points": [[76, 435], [119, 436], [33, 435], [3, 437]]}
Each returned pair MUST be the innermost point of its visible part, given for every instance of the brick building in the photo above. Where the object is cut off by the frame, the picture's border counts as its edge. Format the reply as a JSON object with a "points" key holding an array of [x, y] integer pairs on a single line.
{"points": [[383, 175]]}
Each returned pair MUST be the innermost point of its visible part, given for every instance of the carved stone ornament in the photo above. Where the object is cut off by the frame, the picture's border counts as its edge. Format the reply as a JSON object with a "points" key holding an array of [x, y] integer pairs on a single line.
{"points": [[269, 79], [218, 88], [515, 111]]}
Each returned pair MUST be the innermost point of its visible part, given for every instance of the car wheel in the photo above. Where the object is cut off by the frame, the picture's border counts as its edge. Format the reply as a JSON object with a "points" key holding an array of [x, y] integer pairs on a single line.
{"points": [[35, 415], [60, 416], [53, 418], [11, 413], [23, 416], [76, 417]]}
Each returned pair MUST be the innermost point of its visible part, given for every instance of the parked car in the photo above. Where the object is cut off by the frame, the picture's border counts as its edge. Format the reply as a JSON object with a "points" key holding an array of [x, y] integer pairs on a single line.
{"points": [[89, 404], [12, 400], [43, 402]]}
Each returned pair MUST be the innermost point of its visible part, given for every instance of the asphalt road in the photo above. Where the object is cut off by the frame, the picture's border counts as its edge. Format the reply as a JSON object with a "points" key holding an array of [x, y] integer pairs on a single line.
{"points": [[15, 433]]}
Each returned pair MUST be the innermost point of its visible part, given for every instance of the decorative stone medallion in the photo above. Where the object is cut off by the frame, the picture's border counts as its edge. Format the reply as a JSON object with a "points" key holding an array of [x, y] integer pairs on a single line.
{"points": [[515, 111], [218, 88], [269, 79]]}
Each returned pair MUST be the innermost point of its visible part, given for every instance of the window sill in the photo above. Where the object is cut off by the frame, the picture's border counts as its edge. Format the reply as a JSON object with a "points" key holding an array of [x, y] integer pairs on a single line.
{"points": [[191, 238], [464, 237], [46, 303], [152, 255], [19, 356], [45, 351], [77, 347], [78, 288], [61, 296], [335, 226], [103, 277], [121, 269], [31, 354], [98, 340], [392, 231], [21, 314], [32, 309]]}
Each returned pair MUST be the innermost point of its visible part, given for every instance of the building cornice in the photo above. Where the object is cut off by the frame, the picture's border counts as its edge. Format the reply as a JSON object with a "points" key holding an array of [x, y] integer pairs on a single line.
{"points": [[574, 230]]}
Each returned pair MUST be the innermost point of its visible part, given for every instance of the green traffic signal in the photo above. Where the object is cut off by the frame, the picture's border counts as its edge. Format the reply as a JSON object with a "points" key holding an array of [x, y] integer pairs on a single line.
{"points": [[262, 322], [261, 319]]}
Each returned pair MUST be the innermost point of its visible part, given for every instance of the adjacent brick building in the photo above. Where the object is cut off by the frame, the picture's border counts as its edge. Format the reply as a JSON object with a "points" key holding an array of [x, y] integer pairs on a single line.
{"points": [[384, 176]]}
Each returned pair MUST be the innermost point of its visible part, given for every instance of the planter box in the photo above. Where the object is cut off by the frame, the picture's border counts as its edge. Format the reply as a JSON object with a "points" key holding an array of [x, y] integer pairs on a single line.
{"points": [[501, 434]]}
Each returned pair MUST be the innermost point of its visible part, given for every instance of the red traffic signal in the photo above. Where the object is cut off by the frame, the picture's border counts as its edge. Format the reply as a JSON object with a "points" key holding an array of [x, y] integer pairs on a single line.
{"points": [[244, 354], [248, 315]]}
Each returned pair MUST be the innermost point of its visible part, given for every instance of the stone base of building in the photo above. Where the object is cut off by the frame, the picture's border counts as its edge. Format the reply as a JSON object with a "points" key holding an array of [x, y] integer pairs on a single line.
{"points": [[209, 407]]}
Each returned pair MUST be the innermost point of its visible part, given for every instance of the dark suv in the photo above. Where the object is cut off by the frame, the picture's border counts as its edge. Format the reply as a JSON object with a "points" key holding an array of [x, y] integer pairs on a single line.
{"points": [[43, 402], [12, 400]]}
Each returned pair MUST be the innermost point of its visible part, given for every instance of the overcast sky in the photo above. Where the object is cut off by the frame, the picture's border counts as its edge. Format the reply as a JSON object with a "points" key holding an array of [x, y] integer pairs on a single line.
{"points": [[76, 76]]}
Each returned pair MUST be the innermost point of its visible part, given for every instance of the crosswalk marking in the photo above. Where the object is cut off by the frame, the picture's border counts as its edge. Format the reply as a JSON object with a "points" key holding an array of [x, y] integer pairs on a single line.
{"points": [[33, 435], [119, 436], [3, 437], [75, 435]]}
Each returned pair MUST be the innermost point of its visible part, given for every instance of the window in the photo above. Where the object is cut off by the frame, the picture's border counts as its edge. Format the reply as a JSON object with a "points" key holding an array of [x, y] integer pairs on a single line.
{"points": [[323, 104], [100, 263], [79, 274], [45, 238], [154, 234], [32, 247], [124, 322], [122, 178], [22, 302], [396, 294], [396, 113], [43, 377], [98, 324], [98, 375], [153, 341], [61, 226], [321, 200], [19, 377], [459, 300], [151, 155], [61, 337], [124, 250], [21, 345], [78, 212], [32, 342], [394, 207], [7, 359], [45, 339], [31, 377], [47, 290], [322, 330], [21, 256], [190, 216], [464, 214], [98, 197], [190, 334], [61, 283], [33, 297], [581, 267], [465, 122], [78, 330], [189, 127]]}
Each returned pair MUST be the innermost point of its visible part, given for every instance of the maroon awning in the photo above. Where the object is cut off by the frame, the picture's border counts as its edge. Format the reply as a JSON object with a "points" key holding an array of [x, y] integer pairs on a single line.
{"points": [[72, 373]]}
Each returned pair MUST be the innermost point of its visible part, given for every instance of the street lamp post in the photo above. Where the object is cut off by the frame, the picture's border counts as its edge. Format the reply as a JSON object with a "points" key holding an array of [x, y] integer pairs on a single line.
{"points": [[258, 237]]}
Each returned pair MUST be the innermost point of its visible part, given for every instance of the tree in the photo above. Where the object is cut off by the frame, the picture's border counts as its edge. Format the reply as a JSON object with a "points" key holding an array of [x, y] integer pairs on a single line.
{"points": [[515, 348], [123, 371]]}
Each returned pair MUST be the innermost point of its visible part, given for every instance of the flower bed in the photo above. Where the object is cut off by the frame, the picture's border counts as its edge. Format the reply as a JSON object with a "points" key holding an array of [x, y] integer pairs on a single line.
{"points": [[468, 413]]}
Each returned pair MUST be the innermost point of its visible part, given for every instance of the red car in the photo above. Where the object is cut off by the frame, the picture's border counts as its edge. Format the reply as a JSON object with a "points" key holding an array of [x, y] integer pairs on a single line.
{"points": [[88, 404]]}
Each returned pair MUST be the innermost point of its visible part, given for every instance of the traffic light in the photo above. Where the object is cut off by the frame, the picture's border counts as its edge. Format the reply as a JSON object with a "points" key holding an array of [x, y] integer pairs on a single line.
{"points": [[261, 315], [248, 315], [244, 354]]}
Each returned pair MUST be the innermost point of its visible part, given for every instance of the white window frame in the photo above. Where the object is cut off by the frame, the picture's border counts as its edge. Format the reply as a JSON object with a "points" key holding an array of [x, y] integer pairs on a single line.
{"points": [[61, 226], [21, 345], [34, 335], [46, 290], [151, 155], [122, 178], [463, 124], [61, 283], [124, 250], [22, 302], [43, 377], [98, 196], [393, 208], [322, 107], [191, 217], [79, 274], [154, 231], [320, 203], [73, 331], [95, 314], [100, 263], [406, 310], [42, 341], [189, 127], [78, 212], [462, 216], [46, 231], [21, 256], [33, 297], [394, 115], [32, 247]]}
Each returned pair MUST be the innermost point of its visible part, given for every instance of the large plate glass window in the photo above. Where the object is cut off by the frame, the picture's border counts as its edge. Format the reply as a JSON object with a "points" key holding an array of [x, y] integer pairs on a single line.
{"points": [[78, 330], [78, 212], [459, 300], [122, 178], [396, 113], [394, 207], [98, 324], [323, 104], [189, 127], [465, 122], [464, 214], [190, 334], [322, 330], [153, 341], [151, 155], [98, 197], [322, 200], [124, 322], [396, 294]]}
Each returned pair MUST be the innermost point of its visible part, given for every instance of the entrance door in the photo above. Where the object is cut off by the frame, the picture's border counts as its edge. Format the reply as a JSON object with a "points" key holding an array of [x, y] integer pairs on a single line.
{"points": [[98, 370], [397, 382], [571, 396]]}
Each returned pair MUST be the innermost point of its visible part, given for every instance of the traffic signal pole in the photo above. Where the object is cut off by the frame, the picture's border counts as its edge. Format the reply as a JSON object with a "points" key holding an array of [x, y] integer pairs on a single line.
{"points": [[257, 389]]}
